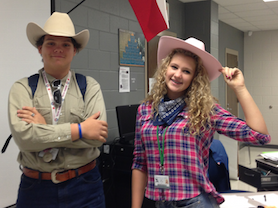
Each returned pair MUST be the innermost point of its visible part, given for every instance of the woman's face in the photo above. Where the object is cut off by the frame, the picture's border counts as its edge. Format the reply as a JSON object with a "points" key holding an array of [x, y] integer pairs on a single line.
{"points": [[179, 75]]}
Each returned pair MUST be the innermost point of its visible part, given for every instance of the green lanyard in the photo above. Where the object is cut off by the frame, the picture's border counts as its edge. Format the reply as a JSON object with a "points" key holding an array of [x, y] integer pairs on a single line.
{"points": [[161, 151]]}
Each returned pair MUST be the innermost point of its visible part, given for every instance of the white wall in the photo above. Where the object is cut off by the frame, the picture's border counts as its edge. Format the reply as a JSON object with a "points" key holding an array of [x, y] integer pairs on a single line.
{"points": [[261, 75], [18, 58]]}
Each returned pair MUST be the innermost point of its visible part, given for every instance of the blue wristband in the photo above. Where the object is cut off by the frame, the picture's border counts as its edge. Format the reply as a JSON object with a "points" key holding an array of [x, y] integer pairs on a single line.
{"points": [[80, 131]]}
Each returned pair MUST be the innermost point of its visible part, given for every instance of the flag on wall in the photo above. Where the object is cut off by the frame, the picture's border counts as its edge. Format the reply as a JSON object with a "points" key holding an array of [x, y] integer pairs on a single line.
{"points": [[151, 15]]}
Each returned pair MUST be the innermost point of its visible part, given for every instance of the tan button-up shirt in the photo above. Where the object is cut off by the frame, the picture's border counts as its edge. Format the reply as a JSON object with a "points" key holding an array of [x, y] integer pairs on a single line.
{"points": [[33, 138]]}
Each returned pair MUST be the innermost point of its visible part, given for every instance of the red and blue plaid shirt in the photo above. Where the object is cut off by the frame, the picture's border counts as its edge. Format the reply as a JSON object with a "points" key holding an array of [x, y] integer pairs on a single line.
{"points": [[186, 157]]}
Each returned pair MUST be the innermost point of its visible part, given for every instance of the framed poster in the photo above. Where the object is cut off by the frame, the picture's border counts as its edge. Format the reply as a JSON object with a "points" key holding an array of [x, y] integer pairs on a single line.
{"points": [[131, 48]]}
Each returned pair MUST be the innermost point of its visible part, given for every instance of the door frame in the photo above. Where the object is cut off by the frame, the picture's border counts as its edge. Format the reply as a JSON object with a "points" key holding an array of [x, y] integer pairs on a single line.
{"points": [[230, 144], [233, 52]]}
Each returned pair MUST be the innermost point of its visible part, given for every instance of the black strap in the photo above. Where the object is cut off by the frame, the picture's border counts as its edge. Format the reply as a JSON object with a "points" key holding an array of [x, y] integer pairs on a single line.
{"points": [[82, 83], [6, 143], [33, 83]]}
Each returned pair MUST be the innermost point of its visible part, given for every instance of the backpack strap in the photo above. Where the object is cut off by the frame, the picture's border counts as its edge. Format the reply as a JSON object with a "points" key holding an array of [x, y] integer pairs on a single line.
{"points": [[33, 83], [81, 81]]}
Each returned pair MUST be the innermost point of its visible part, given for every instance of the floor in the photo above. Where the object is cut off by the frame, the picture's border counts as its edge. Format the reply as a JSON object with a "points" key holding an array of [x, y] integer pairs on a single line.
{"points": [[249, 162]]}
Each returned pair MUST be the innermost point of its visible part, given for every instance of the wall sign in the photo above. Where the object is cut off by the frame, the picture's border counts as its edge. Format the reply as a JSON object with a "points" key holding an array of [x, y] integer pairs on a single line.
{"points": [[131, 48]]}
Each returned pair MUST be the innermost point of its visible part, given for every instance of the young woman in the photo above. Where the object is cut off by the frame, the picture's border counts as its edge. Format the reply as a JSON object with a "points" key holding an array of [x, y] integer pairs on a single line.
{"points": [[176, 123]]}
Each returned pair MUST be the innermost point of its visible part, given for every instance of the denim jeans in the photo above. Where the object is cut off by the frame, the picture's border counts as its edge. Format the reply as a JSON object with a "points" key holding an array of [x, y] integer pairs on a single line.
{"points": [[85, 190], [204, 200]]}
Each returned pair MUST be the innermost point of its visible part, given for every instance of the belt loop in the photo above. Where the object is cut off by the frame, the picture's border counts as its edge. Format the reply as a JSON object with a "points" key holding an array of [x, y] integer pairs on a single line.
{"points": [[40, 176], [76, 172]]}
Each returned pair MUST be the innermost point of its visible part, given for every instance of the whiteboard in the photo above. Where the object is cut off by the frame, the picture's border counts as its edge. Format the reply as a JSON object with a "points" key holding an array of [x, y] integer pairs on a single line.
{"points": [[18, 59]]}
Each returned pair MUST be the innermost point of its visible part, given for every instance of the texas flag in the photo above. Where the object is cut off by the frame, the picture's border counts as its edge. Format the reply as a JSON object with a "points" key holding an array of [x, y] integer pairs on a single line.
{"points": [[151, 15]]}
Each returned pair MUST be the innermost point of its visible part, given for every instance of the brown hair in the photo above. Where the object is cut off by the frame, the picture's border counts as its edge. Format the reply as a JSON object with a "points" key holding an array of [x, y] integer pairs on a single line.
{"points": [[76, 45]]}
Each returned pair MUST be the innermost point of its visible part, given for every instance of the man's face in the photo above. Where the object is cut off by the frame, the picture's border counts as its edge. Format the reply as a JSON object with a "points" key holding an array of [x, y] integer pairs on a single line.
{"points": [[57, 52]]}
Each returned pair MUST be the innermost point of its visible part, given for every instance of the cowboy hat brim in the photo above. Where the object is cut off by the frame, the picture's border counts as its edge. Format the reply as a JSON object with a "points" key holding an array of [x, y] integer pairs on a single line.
{"points": [[167, 44], [34, 32]]}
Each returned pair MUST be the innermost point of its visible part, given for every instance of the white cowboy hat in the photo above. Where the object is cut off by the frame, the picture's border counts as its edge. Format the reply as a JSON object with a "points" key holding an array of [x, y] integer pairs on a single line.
{"points": [[58, 24], [167, 44]]}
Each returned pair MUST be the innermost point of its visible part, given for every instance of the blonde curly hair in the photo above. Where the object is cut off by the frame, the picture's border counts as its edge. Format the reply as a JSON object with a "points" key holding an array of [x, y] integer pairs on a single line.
{"points": [[198, 97]]}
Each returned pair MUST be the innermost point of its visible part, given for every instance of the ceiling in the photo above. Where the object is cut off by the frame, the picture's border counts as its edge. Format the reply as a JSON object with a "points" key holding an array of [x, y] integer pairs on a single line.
{"points": [[247, 15]]}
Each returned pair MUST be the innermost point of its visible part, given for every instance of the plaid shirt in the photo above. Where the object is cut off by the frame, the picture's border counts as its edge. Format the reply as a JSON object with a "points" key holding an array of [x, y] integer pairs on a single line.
{"points": [[186, 157]]}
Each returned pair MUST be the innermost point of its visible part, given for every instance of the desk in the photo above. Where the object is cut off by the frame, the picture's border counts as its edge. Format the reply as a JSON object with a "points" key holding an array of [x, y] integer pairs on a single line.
{"points": [[264, 177], [250, 200]]}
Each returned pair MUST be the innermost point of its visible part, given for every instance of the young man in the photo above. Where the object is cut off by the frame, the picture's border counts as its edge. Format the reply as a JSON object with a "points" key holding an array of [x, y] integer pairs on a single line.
{"points": [[58, 131]]}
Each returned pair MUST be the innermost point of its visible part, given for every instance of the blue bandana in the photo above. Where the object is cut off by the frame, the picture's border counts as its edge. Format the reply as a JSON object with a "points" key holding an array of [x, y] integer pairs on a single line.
{"points": [[168, 110]]}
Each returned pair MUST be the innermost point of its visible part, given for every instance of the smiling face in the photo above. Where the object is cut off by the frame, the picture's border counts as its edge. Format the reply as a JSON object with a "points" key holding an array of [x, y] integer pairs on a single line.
{"points": [[179, 75], [57, 53]]}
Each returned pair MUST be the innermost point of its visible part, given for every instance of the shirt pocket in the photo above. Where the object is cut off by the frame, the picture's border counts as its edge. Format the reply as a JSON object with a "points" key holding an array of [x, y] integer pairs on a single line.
{"points": [[145, 118], [77, 116], [46, 113], [185, 130]]}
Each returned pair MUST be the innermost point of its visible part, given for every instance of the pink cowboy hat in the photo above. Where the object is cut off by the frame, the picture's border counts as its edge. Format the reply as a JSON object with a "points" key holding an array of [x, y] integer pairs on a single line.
{"points": [[167, 44]]}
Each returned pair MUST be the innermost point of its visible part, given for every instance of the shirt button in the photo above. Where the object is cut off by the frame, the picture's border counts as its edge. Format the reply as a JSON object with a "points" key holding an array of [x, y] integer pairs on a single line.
{"points": [[68, 166], [59, 138]]}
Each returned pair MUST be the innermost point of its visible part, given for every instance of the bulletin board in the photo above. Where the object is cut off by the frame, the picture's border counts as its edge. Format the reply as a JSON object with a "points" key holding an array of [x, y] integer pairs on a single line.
{"points": [[131, 48]]}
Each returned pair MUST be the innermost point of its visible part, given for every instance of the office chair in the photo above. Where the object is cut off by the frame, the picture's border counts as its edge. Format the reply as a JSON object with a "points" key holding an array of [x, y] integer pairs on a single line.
{"points": [[218, 167], [218, 170]]}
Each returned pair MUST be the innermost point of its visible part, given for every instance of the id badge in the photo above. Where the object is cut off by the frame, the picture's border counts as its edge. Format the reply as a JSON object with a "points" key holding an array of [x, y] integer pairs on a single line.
{"points": [[161, 181], [49, 154]]}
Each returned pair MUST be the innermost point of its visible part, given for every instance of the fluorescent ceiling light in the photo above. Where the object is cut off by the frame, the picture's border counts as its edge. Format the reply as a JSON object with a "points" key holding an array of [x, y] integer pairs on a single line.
{"points": [[269, 0]]}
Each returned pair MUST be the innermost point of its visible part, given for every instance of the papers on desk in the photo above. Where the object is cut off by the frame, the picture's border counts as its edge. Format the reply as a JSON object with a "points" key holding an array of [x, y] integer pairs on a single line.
{"points": [[270, 155], [233, 201], [249, 201], [265, 199]]}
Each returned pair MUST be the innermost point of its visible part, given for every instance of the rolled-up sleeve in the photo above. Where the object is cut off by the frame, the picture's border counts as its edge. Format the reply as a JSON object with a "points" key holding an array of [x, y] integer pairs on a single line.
{"points": [[231, 126]]}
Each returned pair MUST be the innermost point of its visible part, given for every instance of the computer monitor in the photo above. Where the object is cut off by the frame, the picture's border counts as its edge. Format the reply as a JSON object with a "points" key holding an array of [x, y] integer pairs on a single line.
{"points": [[126, 116]]}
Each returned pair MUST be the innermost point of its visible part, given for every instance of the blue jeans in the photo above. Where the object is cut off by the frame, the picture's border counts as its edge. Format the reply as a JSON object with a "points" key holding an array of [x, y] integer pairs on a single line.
{"points": [[204, 200], [85, 190]]}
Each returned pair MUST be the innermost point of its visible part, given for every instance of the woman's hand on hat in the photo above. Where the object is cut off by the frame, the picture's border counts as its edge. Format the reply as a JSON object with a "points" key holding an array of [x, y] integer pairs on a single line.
{"points": [[233, 77], [30, 115]]}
